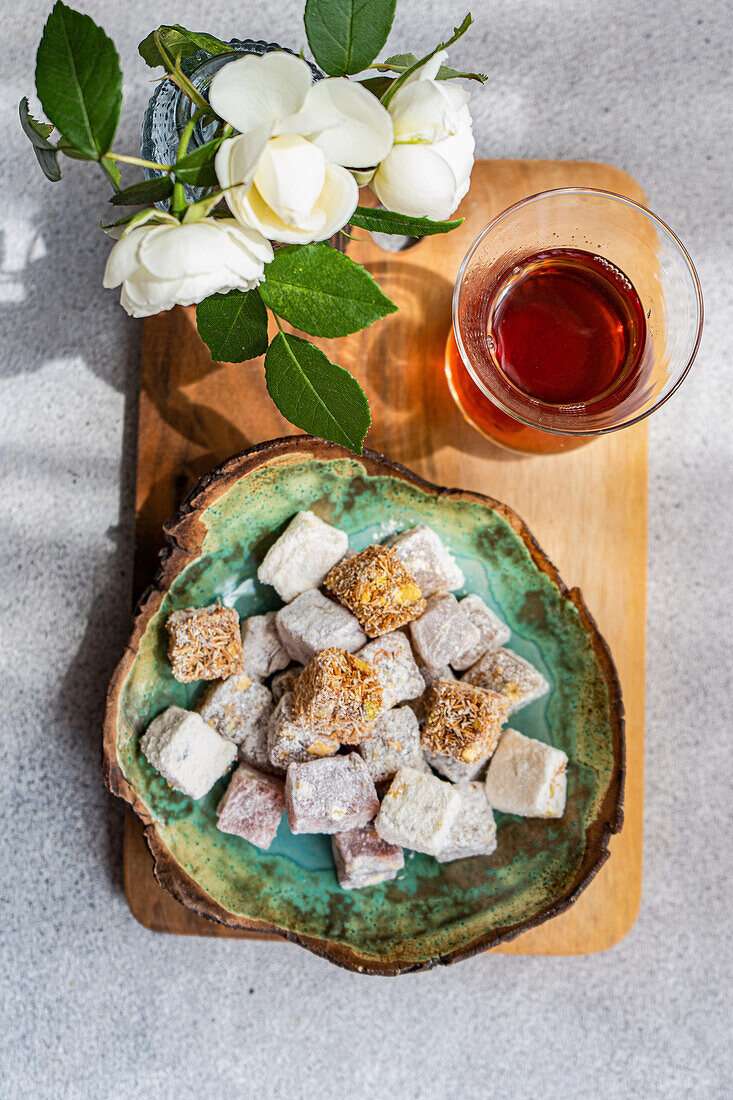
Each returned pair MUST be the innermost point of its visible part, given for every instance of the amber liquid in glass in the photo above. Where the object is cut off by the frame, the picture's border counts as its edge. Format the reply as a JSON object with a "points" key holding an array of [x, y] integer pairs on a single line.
{"points": [[566, 330]]}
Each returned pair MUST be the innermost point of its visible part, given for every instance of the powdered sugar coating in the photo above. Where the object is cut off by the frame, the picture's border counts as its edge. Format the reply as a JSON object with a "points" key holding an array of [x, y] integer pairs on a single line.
{"points": [[511, 676], [417, 811], [391, 658], [493, 631], [288, 741], [330, 796], [527, 777], [239, 709], [302, 556], [252, 806], [263, 652], [187, 751], [284, 681], [473, 833], [457, 771], [312, 623], [393, 743], [443, 632], [362, 858], [423, 552]]}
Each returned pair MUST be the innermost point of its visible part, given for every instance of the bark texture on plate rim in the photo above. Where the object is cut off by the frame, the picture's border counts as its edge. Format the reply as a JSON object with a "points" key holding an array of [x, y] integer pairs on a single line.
{"points": [[185, 533]]}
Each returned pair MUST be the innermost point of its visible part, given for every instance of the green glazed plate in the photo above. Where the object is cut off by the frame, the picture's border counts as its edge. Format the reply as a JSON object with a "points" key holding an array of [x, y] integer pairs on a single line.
{"points": [[432, 913]]}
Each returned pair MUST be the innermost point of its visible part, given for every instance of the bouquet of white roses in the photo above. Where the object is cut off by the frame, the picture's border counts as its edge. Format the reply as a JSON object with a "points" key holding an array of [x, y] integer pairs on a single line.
{"points": [[279, 177]]}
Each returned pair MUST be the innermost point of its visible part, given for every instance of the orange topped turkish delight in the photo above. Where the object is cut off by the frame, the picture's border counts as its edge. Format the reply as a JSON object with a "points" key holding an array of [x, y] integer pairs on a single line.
{"points": [[463, 721], [378, 589], [339, 692], [204, 643]]}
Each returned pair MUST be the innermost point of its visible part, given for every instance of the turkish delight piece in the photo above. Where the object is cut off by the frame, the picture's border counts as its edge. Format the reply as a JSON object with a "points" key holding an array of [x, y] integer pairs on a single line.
{"points": [[339, 692], [289, 741], [417, 811], [252, 806], [493, 631], [284, 681], [391, 658], [302, 556], [362, 858], [425, 555], [377, 587], [511, 676], [527, 777], [330, 796], [393, 743], [463, 721], [443, 632], [263, 652], [456, 770], [236, 707], [312, 622], [187, 751], [430, 677], [473, 833], [204, 643]]}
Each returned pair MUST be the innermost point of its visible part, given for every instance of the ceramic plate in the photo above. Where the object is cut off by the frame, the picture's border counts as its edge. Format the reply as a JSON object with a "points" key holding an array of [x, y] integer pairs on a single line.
{"points": [[432, 913]]}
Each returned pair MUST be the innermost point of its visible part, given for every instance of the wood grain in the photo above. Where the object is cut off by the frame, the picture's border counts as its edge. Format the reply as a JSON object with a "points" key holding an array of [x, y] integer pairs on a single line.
{"points": [[586, 507]]}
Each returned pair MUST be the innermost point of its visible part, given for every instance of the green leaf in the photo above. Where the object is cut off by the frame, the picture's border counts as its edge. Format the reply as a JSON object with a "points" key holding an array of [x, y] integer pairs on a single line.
{"points": [[458, 32], [346, 35], [400, 62], [197, 167], [387, 221], [146, 191], [180, 43], [315, 394], [112, 171], [377, 85], [321, 291], [233, 326], [38, 132], [79, 81]]}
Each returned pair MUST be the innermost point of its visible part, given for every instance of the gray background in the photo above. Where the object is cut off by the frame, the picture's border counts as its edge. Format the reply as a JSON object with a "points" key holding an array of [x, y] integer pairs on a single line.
{"points": [[94, 1005]]}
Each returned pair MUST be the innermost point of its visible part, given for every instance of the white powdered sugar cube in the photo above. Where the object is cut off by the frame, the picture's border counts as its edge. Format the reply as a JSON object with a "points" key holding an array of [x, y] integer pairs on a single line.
{"points": [[493, 631], [421, 550], [527, 777], [443, 632], [284, 681], [329, 796], [509, 675], [263, 651], [394, 743], [391, 658], [458, 771], [187, 751], [302, 556], [417, 811], [288, 742], [473, 833], [312, 622]]}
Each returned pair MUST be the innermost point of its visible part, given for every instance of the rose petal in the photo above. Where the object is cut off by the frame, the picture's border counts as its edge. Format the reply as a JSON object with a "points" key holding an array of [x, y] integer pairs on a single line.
{"points": [[250, 240], [416, 181], [143, 295], [122, 260], [170, 252], [290, 177], [256, 91], [458, 151], [347, 122], [338, 200], [425, 112], [237, 158], [334, 207], [429, 70]]}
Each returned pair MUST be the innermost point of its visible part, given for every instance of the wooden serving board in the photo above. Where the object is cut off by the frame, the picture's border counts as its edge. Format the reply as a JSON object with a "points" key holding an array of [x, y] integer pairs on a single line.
{"points": [[587, 507]]}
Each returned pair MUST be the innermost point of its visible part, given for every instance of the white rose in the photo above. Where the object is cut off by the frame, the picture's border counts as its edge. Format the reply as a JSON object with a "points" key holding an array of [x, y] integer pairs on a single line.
{"points": [[428, 170], [174, 263], [287, 172]]}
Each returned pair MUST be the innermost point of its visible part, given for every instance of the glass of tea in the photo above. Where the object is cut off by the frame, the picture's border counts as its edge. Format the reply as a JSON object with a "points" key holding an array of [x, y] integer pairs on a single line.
{"points": [[576, 312]]}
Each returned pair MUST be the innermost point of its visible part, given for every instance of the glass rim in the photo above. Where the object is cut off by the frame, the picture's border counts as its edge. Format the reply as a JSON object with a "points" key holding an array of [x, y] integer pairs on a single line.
{"points": [[624, 201]]}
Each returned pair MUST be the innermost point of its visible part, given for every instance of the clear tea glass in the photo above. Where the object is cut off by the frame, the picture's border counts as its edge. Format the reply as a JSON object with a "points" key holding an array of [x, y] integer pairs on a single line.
{"points": [[608, 229]]}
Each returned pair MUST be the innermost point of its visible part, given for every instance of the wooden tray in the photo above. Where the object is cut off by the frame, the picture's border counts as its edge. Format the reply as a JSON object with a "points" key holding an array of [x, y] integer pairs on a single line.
{"points": [[587, 507]]}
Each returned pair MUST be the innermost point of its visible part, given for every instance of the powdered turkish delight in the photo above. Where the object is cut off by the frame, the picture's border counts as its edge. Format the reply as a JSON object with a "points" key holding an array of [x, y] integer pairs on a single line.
{"points": [[393, 743], [239, 709], [493, 631], [473, 832], [425, 555], [252, 806], [391, 658], [511, 676], [263, 652], [312, 622], [187, 751], [443, 632], [289, 741], [417, 811], [302, 556], [362, 858], [527, 777], [330, 796]]}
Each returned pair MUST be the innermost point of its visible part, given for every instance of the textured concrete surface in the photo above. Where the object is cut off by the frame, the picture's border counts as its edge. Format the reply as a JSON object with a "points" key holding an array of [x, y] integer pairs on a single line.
{"points": [[95, 1006]]}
